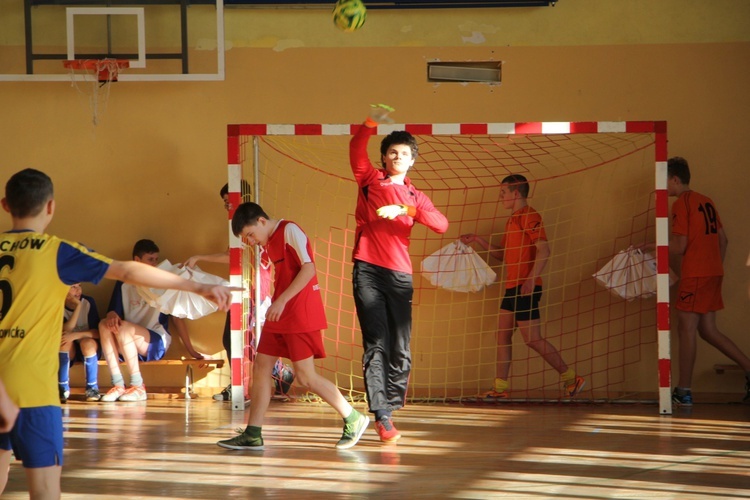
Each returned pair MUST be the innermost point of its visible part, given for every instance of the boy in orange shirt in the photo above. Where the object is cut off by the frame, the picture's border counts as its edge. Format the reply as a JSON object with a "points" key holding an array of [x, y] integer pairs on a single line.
{"points": [[698, 236], [525, 251]]}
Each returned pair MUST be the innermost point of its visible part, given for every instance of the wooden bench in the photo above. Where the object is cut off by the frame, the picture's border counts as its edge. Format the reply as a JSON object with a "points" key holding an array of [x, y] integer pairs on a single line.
{"points": [[188, 363], [720, 369]]}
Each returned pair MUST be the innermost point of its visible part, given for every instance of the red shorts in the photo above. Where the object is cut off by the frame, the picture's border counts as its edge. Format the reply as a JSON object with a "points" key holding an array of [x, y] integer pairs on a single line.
{"points": [[700, 295], [293, 346]]}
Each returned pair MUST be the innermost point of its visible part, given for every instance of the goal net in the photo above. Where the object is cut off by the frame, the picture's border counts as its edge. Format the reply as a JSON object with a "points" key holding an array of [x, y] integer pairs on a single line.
{"points": [[596, 186]]}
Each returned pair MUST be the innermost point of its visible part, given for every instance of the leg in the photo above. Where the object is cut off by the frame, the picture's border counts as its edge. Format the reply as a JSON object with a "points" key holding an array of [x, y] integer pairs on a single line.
{"points": [[687, 326], [261, 391], [5, 456], [109, 350], [711, 334], [398, 299], [44, 482], [133, 340], [308, 377], [371, 311], [532, 335], [505, 327]]}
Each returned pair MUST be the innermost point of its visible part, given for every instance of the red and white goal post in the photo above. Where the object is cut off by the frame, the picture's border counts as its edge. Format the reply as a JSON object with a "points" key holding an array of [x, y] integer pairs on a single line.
{"points": [[600, 187]]}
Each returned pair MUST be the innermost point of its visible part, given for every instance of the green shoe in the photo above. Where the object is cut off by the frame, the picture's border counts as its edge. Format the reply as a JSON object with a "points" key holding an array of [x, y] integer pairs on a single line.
{"points": [[242, 442], [353, 431]]}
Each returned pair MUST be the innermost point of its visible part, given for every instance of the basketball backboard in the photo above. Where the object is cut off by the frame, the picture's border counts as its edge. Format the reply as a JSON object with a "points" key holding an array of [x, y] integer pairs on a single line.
{"points": [[163, 40]]}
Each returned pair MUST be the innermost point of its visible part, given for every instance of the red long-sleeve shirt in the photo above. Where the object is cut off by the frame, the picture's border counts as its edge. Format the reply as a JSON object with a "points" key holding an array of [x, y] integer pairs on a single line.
{"points": [[380, 241]]}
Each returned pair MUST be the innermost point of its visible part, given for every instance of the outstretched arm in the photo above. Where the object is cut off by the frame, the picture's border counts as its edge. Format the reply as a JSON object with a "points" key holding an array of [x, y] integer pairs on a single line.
{"points": [[493, 250], [220, 258], [137, 273]]}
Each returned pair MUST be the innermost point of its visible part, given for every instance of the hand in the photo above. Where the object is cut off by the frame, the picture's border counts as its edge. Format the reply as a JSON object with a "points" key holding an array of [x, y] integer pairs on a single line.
{"points": [[113, 321], [192, 261], [527, 287], [392, 211], [468, 238], [379, 113], [274, 311], [8, 411], [220, 295]]}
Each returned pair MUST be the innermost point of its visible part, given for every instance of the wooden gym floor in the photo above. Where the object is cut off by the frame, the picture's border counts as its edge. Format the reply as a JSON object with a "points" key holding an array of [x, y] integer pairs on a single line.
{"points": [[166, 448]]}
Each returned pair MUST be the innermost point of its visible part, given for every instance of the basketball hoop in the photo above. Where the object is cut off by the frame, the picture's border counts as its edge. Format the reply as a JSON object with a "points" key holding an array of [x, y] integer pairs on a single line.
{"points": [[99, 72], [106, 69]]}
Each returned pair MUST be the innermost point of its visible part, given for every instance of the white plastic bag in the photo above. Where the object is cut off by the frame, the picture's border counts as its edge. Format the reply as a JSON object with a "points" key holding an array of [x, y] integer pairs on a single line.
{"points": [[179, 303], [631, 274], [457, 267]]}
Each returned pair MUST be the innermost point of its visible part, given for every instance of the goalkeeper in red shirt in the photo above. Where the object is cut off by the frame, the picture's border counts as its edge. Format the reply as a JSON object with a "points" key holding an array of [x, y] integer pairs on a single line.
{"points": [[388, 206]]}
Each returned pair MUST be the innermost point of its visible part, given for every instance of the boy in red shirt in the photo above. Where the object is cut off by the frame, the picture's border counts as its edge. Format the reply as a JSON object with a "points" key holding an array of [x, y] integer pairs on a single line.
{"points": [[293, 325], [698, 236], [525, 251]]}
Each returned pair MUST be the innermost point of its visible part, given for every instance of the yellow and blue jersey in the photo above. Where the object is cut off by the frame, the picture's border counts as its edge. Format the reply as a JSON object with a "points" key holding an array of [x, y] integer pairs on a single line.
{"points": [[36, 272]]}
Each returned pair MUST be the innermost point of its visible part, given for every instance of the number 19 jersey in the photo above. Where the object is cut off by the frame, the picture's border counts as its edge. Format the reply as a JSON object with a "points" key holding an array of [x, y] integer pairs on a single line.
{"points": [[695, 216]]}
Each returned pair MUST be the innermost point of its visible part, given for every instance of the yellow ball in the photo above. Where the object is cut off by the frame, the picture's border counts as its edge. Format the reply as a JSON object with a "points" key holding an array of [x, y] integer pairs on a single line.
{"points": [[349, 15]]}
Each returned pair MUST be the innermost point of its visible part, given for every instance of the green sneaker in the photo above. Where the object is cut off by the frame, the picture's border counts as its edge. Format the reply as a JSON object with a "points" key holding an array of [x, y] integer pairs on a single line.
{"points": [[242, 442], [353, 431]]}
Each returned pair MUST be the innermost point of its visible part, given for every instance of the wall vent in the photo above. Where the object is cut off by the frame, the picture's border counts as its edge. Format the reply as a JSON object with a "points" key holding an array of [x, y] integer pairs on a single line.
{"points": [[465, 72]]}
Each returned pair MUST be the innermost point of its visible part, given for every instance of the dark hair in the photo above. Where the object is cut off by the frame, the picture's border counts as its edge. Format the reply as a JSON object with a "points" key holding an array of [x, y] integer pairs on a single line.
{"points": [[246, 214], [399, 137], [142, 247], [27, 191], [245, 190], [517, 182], [677, 166]]}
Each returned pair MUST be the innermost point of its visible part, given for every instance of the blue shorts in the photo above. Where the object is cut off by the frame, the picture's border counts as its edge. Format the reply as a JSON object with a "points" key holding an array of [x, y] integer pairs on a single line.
{"points": [[37, 437], [156, 349], [524, 307]]}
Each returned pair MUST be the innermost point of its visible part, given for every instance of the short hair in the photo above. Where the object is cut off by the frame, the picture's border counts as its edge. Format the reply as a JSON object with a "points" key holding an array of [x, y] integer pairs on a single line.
{"points": [[677, 166], [517, 182], [399, 137], [245, 190], [142, 247], [27, 191], [247, 214]]}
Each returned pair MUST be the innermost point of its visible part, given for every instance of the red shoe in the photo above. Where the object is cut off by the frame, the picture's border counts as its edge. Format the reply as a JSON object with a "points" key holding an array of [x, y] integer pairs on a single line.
{"points": [[386, 430]]}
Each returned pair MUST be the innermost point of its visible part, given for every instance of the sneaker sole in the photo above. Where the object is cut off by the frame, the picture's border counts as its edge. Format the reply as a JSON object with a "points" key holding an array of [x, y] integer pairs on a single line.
{"points": [[241, 448], [350, 444]]}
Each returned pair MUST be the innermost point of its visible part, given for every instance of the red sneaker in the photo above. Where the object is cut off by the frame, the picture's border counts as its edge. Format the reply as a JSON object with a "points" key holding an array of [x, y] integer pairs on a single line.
{"points": [[386, 430]]}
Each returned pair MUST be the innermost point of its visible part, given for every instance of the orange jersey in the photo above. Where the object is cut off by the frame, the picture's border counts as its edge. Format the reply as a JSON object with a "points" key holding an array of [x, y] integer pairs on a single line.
{"points": [[695, 216], [523, 229]]}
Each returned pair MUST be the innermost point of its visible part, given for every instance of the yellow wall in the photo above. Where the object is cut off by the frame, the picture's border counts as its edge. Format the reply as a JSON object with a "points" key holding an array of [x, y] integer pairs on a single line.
{"points": [[153, 166]]}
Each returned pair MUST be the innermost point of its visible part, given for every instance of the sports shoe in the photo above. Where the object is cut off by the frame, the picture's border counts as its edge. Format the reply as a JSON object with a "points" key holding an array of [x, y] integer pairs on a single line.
{"points": [[134, 393], [352, 432], [93, 394], [682, 399], [113, 394], [64, 394], [243, 442], [225, 394], [493, 394], [575, 387], [386, 430]]}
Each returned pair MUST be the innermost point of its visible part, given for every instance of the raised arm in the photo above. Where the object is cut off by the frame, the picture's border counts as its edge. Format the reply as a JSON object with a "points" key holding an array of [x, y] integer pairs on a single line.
{"points": [[219, 258]]}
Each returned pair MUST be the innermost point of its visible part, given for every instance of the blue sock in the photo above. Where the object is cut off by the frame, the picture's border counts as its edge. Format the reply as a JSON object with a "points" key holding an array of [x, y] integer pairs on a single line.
{"points": [[63, 373], [92, 372], [136, 380]]}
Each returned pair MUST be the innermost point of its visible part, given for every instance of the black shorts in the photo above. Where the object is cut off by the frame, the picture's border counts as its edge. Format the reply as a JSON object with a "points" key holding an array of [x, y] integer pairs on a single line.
{"points": [[525, 307]]}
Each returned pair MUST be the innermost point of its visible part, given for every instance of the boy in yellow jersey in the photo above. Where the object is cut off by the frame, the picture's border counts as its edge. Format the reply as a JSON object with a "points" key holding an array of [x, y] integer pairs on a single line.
{"points": [[36, 272], [525, 251]]}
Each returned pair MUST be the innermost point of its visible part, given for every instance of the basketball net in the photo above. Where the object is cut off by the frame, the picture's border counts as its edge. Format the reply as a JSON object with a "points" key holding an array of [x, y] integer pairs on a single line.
{"points": [[97, 74]]}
